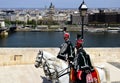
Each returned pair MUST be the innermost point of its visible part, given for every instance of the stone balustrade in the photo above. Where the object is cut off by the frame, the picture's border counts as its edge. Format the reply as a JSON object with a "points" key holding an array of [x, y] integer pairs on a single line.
{"points": [[17, 56]]}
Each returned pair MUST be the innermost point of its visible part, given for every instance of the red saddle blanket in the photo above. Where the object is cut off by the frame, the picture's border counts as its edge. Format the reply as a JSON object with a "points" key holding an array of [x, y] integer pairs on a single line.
{"points": [[92, 77]]}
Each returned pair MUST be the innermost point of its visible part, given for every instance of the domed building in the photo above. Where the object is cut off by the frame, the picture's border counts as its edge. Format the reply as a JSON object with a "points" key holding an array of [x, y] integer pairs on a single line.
{"points": [[51, 9]]}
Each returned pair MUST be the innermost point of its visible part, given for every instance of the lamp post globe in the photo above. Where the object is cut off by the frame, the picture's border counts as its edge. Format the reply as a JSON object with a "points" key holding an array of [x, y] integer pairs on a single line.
{"points": [[82, 10]]}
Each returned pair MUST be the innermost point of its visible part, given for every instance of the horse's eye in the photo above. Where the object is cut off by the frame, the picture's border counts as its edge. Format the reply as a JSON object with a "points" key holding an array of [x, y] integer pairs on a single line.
{"points": [[39, 57]]}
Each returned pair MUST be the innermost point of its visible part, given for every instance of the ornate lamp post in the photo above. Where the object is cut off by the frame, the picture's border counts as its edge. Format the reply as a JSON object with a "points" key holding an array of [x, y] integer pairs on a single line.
{"points": [[83, 10]]}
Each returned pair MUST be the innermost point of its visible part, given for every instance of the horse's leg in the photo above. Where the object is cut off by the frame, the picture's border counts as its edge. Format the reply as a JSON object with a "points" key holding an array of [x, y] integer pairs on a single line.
{"points": [[107, 74], [55, 78], [53, 81], [46, 71], [104, 74]]}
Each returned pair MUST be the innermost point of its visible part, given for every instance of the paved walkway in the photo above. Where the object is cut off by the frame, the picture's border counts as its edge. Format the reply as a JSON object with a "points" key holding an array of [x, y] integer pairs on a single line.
{"points": [[30, 74], [22, 74]]}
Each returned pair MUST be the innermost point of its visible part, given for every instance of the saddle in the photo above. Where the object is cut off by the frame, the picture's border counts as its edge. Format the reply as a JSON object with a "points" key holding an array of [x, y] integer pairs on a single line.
{"points": [[85, 68]]}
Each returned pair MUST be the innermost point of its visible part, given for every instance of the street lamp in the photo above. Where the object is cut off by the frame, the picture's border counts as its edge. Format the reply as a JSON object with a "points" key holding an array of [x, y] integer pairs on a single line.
{"points": [[83, 10]]}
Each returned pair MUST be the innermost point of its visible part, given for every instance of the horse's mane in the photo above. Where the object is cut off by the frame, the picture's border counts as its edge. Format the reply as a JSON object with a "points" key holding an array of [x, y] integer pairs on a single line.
{"points": [[50, 57]]}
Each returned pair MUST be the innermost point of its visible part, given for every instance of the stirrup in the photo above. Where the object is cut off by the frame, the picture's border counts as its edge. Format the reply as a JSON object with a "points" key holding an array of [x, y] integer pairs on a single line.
{"points": [[92, 69]]}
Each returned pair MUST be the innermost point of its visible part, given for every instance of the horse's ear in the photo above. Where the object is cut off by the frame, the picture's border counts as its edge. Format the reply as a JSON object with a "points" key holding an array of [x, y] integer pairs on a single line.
{"points": [[40, 52]]}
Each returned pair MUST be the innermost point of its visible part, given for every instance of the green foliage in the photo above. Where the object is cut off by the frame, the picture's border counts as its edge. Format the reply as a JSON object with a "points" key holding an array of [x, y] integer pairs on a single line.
{"points": [[13, 22], [7, 22], [47, 22], [68, 23]]}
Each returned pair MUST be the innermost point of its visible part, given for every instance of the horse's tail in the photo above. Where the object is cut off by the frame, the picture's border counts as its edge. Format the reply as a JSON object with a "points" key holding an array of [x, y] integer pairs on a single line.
{"points": [[107, 74]]}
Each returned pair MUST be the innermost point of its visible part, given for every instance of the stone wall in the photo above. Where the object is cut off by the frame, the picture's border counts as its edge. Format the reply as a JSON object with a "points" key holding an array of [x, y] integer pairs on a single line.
{"points": [[104, 54], [13, 56]]}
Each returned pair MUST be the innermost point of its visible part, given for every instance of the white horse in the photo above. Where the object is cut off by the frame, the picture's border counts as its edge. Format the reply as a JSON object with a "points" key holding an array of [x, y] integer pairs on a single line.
{"points": [[58, 71]]}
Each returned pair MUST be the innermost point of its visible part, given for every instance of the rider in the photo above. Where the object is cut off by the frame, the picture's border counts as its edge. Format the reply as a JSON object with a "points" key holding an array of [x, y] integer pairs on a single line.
{"points": [[83, 59], [70, 55], [70, 49], [67, 49]]}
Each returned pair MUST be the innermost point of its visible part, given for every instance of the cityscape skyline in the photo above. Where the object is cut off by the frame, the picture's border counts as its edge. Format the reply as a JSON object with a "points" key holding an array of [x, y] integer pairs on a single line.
{"points": [[59, 3]]}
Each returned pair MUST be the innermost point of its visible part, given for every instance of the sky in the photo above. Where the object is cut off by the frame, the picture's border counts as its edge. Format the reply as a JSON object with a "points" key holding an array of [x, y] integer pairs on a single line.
{"points": [[59, 3]]}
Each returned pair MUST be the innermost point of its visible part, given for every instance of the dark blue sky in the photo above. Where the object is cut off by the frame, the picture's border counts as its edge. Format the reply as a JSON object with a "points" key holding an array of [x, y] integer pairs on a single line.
{"points": [[59, 3]]}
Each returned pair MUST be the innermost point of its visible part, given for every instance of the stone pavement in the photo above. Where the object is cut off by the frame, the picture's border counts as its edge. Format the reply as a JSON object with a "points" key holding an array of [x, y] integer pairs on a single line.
{"points": [[30, 74], [21, 74]]}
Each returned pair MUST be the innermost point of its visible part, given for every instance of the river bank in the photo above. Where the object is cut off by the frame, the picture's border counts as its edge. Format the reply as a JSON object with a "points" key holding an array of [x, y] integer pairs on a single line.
{"points": [[48, 29], [71, 29]]}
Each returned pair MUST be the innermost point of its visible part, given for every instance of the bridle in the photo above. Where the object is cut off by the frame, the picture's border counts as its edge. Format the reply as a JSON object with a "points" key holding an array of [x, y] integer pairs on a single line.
{"points": [[39, 59]]}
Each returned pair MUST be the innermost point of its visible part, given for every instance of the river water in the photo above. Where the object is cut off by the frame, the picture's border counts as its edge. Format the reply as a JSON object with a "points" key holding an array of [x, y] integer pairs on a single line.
{"points": [[55, 39]]}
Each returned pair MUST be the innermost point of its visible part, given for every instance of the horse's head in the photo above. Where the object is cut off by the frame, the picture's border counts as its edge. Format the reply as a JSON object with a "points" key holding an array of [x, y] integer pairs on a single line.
{"points": [[38, 61]]}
